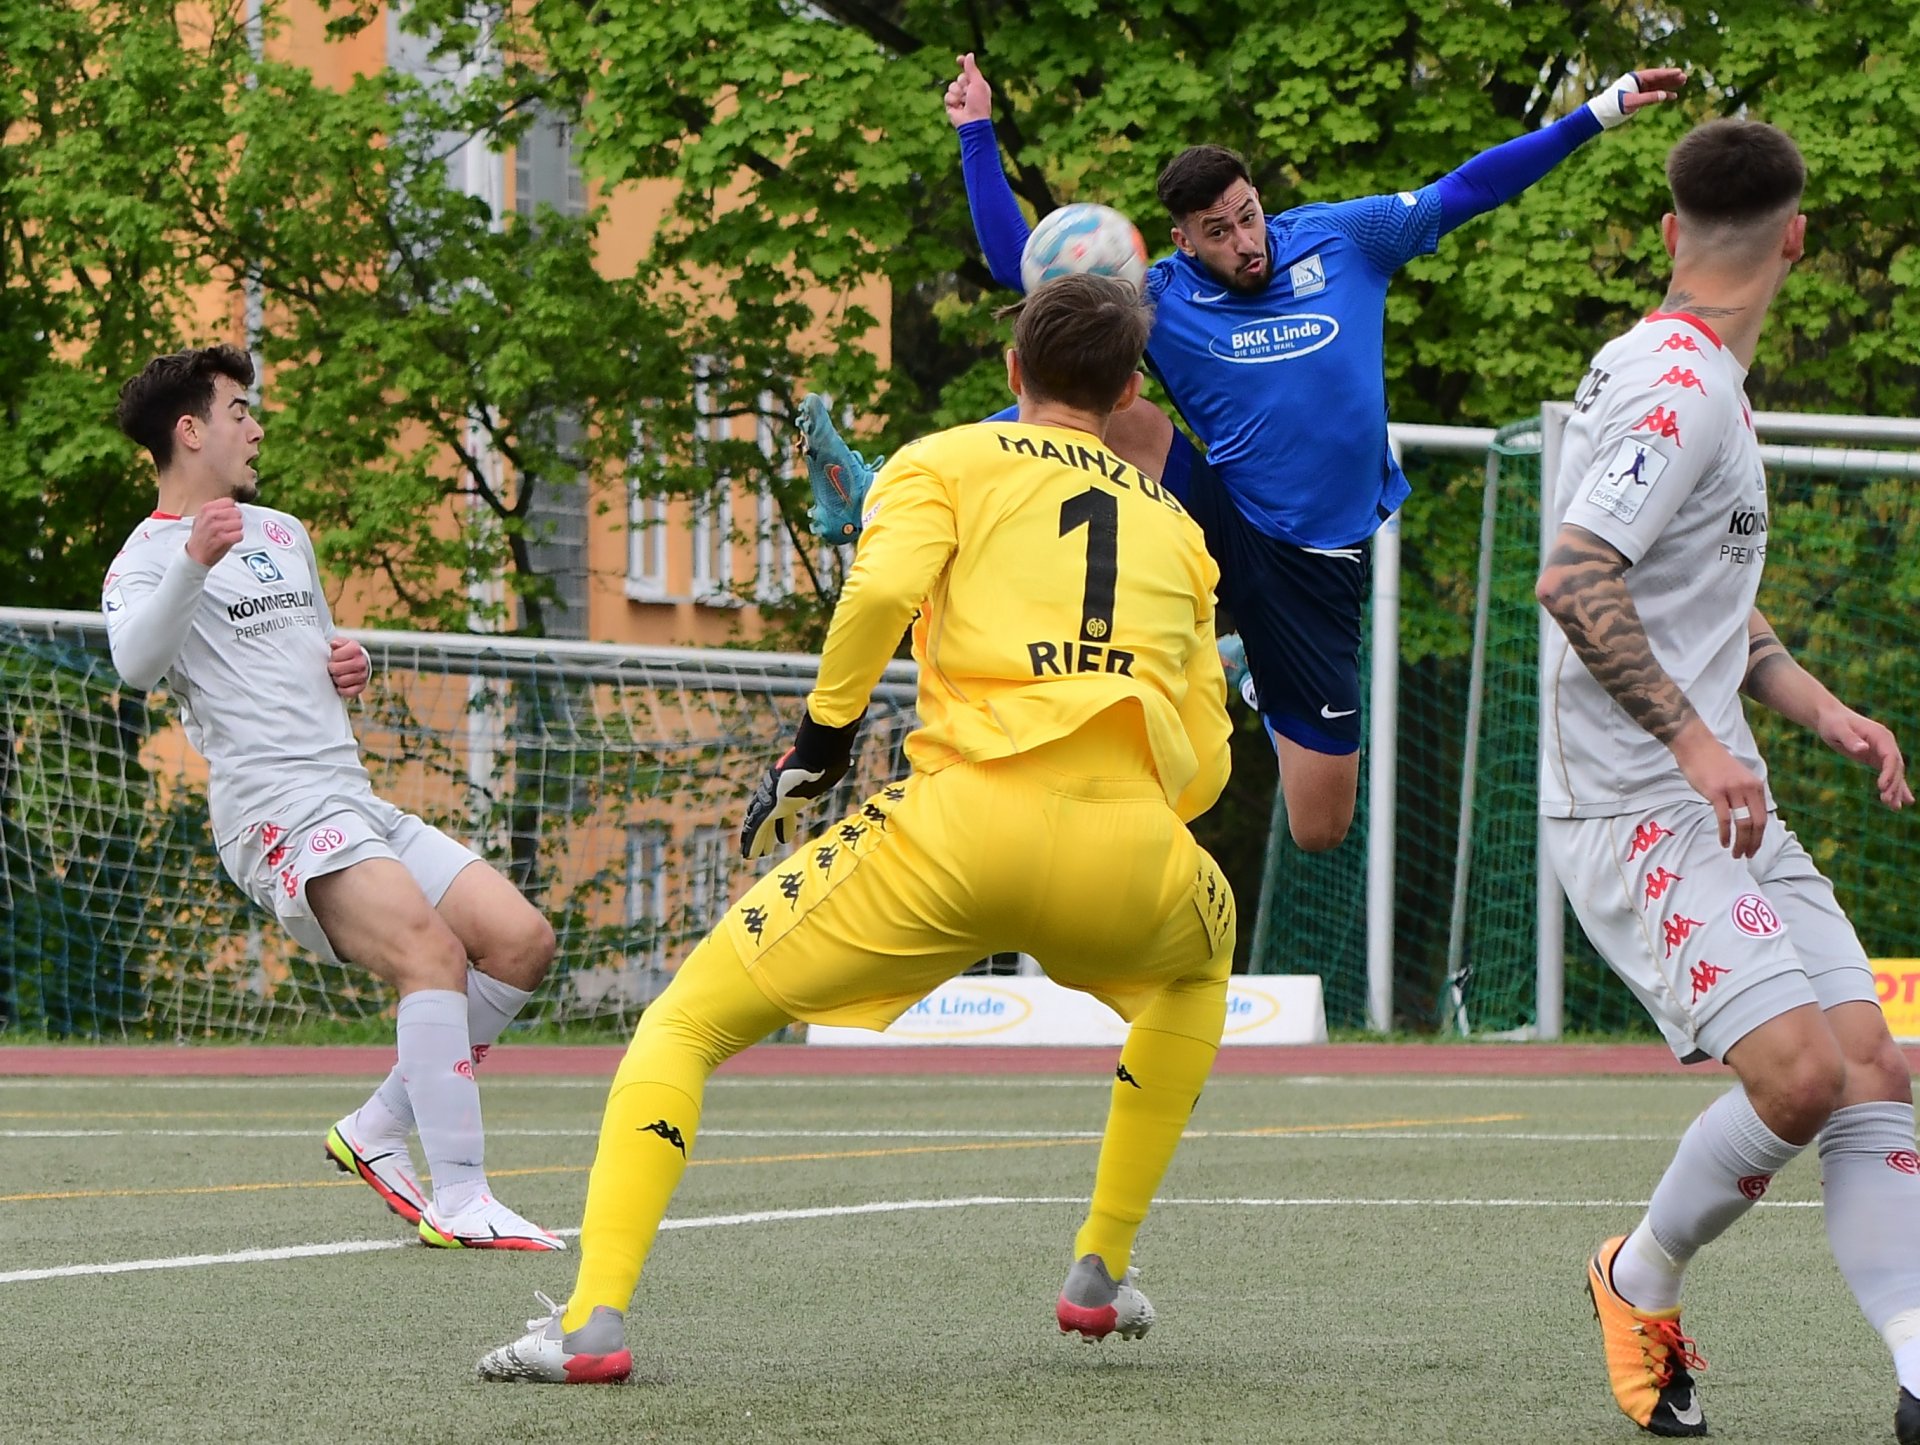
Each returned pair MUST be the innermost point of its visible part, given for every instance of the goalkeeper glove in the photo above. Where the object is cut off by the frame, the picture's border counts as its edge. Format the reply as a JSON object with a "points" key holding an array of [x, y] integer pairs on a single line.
{"points": [[819, 758], [840, 476]]}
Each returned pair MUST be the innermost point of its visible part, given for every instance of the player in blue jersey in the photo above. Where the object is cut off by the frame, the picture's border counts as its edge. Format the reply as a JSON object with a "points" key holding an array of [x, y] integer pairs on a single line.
{"points": [[1269, 338]]}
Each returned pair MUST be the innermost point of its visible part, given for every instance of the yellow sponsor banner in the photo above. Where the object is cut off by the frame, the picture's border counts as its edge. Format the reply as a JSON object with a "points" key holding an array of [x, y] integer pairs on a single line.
{"points": [[1897, 981]]}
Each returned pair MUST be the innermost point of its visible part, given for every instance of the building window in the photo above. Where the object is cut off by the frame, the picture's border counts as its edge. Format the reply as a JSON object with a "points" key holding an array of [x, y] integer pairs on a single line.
{"points": [[556, 531], [546, 168], [773, 552], [646, 908], [712, 513], [646, 533], [709, 874]]}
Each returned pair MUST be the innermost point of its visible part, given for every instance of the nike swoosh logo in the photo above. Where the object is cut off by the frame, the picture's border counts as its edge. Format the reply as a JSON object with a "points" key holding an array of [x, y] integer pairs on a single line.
{"points": [[1329, 713], [1208, 300], [1692, 1415]]}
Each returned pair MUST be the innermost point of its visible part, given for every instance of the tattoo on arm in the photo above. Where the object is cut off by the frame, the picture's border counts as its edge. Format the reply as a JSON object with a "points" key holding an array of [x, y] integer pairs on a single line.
{"points": [[1681, 299], [1766, 655], [1585, 590]]}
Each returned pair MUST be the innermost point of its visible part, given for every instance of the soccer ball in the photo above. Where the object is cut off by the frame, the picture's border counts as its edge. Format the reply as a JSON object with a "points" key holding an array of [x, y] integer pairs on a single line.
{"points": [[1084, 240]]}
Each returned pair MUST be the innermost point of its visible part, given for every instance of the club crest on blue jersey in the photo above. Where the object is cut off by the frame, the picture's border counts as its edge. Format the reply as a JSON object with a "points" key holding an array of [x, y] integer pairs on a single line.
{"points": [[263, 566], [1308, 276]]}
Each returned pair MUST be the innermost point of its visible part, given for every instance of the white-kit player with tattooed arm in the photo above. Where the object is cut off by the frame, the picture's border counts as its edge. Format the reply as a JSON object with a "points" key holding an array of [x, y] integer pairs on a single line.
{"points": [[222, 599], [1656, 811]]}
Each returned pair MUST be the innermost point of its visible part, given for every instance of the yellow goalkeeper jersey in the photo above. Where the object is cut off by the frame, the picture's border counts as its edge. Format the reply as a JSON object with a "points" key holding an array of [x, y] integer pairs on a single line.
{"points": [[1047, 581]]}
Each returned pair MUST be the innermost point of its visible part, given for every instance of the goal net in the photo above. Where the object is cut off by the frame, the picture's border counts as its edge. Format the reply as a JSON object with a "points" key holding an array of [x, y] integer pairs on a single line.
{"points": [[1842, 589], [607, 782]]}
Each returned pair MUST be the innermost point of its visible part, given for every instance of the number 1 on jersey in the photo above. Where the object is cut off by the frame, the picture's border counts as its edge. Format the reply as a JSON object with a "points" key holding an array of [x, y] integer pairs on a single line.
{"points": [[1099, 513]]}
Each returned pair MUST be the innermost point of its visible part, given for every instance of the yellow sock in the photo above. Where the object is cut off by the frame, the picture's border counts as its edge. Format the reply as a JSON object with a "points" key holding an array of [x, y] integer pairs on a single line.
{"points": [[710, 1012], [1159, 1081]]}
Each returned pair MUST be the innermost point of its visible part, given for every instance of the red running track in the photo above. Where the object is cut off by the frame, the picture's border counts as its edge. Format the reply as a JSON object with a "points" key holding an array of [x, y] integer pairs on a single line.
{"points": [[587, 1061]]}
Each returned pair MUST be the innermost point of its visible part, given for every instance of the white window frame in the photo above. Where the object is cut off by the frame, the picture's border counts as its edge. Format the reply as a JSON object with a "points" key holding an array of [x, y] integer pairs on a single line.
{"points": [[712, 573], [648, 847], [774, 558], [709, 858], [647, 533]]}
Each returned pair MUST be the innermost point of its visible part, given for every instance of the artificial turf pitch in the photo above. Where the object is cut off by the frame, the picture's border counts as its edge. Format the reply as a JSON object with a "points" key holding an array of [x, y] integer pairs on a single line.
{"points": [[1333, 1260]]}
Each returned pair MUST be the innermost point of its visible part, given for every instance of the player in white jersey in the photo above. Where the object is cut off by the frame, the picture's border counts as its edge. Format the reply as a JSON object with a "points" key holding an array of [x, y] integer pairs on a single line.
{"points": [[222, 598], [1655, 805]]}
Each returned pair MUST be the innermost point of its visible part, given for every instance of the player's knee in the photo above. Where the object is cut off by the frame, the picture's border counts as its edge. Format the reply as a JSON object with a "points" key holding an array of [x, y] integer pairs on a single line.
{"points": [[529, 953], [1882, 1075], [1797, 1100], [423, 954]]}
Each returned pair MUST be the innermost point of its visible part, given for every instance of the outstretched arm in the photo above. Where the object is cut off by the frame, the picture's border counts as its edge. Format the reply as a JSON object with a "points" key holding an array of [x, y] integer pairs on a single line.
{"points": [[1496, 176], [1776, 681], [997, 221]]}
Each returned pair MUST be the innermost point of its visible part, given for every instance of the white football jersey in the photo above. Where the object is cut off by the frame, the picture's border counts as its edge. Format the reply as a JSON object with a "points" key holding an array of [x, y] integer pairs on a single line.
{"points": [[1659, 459], [243, 647]]}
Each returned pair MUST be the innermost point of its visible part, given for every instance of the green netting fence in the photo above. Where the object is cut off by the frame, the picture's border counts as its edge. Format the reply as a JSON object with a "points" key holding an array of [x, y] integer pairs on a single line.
{"points": [[1842, 589]]}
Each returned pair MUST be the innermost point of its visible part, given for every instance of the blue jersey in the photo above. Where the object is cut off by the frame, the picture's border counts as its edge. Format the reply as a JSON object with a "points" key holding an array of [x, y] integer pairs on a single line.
{"points": [[1286, 387], [1287, 384]]}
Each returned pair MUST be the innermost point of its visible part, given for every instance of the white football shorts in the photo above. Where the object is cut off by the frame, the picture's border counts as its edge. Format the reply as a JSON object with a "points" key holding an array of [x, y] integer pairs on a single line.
{"points": [[1713, 946], [275, 859]]}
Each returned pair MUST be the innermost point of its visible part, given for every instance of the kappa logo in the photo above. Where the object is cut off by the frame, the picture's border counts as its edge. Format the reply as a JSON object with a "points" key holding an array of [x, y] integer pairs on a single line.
{"points": [[1120, 1073], [1662, 423], [790, 886], [1679, 341], [1681, 378], [1754, 916], [666, 1131], [1677, 930], [1645, 835], [1703, 976], [1659, 881], [755, 918]]}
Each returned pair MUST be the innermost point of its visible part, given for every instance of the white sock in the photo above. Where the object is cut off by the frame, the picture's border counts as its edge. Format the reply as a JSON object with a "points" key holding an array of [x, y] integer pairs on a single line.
{"points": [[1906, 1364], [1723, 1165], [436, 1063], [1870, 1179], [1644, 1274], [491, 1006]]}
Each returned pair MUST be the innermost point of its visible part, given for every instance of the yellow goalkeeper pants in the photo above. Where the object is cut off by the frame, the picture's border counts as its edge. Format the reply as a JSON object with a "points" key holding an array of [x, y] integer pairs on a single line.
{"points": [[1068, 853]]}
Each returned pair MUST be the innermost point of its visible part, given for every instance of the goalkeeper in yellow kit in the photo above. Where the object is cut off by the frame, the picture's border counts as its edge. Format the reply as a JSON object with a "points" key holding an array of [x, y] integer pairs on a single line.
{"points": [[1073, 719]]}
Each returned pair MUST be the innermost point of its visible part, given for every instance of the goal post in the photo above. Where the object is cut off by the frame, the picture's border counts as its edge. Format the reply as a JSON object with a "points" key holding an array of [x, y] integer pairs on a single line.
{"points": [[1842, 591], [1474, 930]]}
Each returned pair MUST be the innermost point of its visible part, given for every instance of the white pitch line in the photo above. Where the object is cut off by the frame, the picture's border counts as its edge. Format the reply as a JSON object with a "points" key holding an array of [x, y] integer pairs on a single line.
{"points": [[837, 1211], [1100, 1080], [1279, 1134]]}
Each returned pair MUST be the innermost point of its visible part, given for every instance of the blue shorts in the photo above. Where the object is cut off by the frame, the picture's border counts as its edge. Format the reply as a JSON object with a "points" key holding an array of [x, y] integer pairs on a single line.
{"points": [[1299, 611]]}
